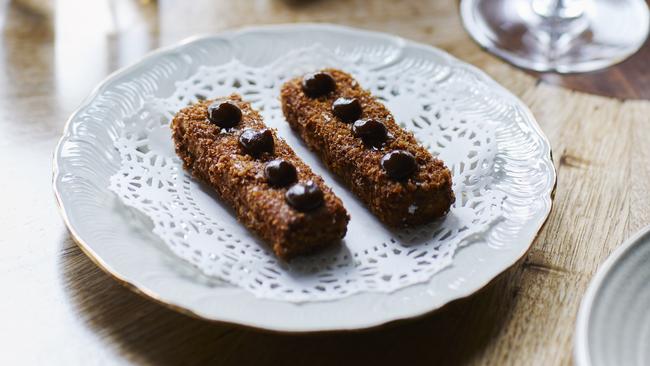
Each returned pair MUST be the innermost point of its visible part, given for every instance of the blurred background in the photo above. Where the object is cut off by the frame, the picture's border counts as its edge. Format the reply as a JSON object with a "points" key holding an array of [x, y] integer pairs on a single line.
{"points": [[78, 42], [68, 46]]}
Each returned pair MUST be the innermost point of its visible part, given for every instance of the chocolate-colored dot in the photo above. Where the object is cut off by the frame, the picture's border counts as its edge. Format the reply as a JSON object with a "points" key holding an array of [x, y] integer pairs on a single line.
{"points": [[256, 142], [399, 164], [348, 110], [372, 132], [304, 196], [318, 84], [224, 114], [280, 173]]}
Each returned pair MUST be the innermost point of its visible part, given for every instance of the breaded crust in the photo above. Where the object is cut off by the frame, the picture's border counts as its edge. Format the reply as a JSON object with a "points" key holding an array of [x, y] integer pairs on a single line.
{"points": [[213, 156], [420, 199]]}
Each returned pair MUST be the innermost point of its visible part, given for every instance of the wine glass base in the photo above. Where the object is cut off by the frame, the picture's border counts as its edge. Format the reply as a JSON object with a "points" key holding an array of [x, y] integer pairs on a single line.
{"points": [[605, 33]]}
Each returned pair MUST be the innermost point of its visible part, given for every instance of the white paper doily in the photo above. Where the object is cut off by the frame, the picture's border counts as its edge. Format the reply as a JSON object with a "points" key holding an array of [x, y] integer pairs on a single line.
{"points": [[140, 98], [199, 229]]}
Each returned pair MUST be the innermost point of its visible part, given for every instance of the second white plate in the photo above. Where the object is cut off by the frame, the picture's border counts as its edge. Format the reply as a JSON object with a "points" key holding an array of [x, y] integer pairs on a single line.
{"points": [[613, 326]]}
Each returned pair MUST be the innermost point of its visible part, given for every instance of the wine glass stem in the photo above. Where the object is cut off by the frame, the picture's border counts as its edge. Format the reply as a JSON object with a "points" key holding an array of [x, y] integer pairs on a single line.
{"points": [[559, 10]]}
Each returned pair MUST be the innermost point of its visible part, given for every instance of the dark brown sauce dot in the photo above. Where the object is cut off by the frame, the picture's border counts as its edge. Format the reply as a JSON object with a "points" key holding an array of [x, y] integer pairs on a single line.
{"points": [[304, 196], [372, 132], [256, 142], [347, 110], [399, 164], [280, 173], [318, 84], [224, 114]]}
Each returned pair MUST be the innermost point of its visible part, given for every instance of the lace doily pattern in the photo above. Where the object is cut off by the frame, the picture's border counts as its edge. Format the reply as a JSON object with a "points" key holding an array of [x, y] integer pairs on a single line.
{"points": [[444, 107]]}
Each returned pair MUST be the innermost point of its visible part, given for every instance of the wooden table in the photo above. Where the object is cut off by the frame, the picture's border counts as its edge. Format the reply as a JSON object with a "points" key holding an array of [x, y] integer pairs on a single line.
{"points": [[57, 307]]}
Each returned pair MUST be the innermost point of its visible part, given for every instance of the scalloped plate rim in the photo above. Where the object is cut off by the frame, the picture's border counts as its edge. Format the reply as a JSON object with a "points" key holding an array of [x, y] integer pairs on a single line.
{"points": [[270, 324]]}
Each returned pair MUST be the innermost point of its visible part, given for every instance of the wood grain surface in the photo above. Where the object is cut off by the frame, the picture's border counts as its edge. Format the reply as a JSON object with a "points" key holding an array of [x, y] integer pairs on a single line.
{"points": [[57, 307]]}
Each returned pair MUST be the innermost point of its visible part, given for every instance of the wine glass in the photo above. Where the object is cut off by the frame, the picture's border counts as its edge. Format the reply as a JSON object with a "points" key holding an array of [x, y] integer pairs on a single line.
{"points": [[558, 35]]}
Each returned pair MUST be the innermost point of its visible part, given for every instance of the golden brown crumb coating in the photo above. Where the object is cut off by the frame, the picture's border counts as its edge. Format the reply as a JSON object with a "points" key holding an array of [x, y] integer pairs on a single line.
{"points": [[213, 155], [423, 197]]}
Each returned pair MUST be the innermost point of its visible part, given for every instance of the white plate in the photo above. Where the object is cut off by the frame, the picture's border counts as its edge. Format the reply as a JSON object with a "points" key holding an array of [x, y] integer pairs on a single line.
{"points": [[85, 160], [613, 326]]}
